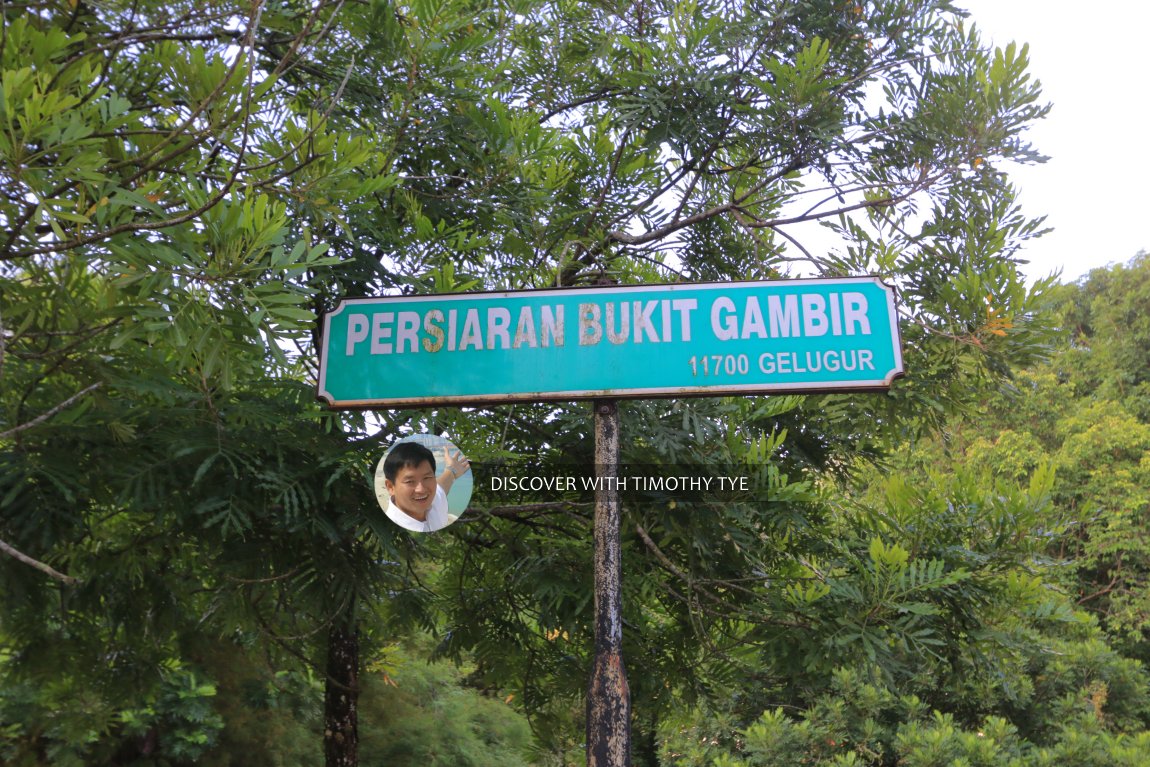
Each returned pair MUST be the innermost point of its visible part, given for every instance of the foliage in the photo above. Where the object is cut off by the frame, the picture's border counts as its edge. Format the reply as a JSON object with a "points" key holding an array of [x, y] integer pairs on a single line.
{"points": [[154, 443], [186, 185], [54, 726], [148, 161], [259, 547], [859, 722], [1037, 619], [1078, 415], [423, 713], [944, 645], [1105, 315], [271, 714]]}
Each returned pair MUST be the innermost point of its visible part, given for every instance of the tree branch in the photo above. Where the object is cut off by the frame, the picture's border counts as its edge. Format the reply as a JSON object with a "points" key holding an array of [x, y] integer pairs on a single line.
{"points": [[589, 99], [46, 569], [521, 511], [45, 416]]}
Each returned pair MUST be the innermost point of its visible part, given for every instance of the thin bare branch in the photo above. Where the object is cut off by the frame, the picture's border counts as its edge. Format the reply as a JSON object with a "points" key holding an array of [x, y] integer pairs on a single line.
{"points": [[45, 416], [534, 508], [46, 569]]}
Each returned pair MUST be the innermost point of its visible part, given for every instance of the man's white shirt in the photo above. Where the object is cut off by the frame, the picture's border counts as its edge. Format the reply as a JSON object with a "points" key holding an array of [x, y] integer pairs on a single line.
{"points": [[437, 517]]}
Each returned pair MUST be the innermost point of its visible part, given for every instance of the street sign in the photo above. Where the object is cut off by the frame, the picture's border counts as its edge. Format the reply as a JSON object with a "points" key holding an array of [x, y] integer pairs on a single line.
{"points": [[691, 339]]}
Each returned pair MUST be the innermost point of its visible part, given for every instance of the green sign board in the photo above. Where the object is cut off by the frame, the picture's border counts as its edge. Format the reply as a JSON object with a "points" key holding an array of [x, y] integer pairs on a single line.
{"points": [[626, 341]]}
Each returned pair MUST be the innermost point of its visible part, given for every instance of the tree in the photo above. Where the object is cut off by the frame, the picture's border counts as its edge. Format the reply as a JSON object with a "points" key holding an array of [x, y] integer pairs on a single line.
{"points": [[1081, 415], [189, 182], [933, 630], [153, 283], [645, 143]]}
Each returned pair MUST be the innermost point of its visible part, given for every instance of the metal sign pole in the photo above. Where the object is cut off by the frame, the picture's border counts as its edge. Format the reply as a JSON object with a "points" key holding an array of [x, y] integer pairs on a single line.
{"points": [[608, 698]]}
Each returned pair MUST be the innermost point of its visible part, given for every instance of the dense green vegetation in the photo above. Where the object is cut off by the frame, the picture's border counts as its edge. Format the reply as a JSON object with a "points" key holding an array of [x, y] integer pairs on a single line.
{"points": [[194, 569], [1035, 497], [1036, 492]]}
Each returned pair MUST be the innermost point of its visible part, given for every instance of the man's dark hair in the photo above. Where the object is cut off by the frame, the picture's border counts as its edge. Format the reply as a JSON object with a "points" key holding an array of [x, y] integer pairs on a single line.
{"points": [[406, 455]]}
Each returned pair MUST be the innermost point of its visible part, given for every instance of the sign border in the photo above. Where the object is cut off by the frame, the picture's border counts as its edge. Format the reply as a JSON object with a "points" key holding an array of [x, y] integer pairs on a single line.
{"points": [[666, 392]]}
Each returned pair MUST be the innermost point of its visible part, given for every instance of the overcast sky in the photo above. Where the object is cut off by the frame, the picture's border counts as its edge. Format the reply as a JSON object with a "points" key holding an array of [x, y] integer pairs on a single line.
{"points": [[1091, 60]]}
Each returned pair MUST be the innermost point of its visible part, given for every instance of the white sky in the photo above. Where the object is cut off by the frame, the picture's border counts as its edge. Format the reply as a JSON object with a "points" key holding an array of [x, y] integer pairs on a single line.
{"points": [[1092, 61]]}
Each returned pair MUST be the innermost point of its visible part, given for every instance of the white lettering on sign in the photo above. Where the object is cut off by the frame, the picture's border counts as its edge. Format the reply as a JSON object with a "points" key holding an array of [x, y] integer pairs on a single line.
{"points": [[643, 312], [552, 320], [357, 326], [400, 332], [684, 306], [432, 326], [498, 328], [810, 315], [408, 332], [590, 331], [624, 328], [635, 321], [832, 361], [525, 330], [381, 329], [784, 316]]}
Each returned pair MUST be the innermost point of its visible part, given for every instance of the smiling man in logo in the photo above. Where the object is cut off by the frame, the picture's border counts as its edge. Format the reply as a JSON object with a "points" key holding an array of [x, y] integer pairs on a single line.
{"points": [[418, 496]]}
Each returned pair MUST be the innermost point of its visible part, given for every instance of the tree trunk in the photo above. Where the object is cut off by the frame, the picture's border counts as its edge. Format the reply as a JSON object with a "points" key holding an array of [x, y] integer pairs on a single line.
{"points": [[341, 698]]}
